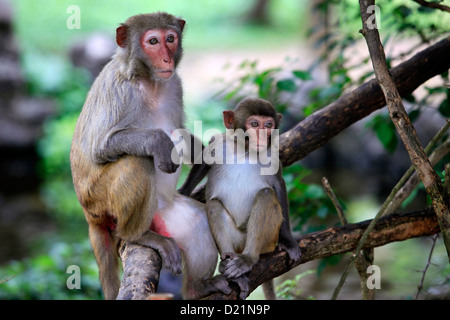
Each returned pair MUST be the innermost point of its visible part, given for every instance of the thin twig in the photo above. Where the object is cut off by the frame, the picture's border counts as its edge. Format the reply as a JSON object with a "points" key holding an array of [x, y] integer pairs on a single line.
{"points": [[420, 286], [406, 180], [6, 279], [336, 203], [364, 257]]}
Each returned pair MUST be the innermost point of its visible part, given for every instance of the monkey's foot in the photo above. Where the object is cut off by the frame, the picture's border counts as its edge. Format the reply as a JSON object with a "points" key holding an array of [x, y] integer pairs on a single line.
{"points": [[203, 288], [293, 251], [242, 282], [219, 284], [234, 265]]}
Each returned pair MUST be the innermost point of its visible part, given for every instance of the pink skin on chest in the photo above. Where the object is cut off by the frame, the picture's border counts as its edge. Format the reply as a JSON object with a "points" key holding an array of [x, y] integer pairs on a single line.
{"points": [[159, 226]]}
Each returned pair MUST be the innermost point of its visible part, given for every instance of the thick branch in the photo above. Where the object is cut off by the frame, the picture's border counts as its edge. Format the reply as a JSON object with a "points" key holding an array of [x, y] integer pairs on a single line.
{"points": [[141, 268], [318, 128], [338, 240]]}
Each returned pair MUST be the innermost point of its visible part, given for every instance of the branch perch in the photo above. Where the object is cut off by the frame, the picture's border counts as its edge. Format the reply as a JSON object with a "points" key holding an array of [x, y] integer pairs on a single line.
{"points": [[142, 265], [141, 268], [338, 240]]}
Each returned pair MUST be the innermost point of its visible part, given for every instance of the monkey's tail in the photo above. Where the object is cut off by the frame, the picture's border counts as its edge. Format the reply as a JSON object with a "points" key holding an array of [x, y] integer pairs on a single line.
{"points": [[105, 251], [269, 290]]}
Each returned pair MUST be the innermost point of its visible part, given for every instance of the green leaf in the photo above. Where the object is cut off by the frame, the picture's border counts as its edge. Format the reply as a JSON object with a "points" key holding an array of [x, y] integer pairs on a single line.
{"points": [[386, 133], [414, 114], [444, 108], [314, 191], [302, 75], [287, 85]]}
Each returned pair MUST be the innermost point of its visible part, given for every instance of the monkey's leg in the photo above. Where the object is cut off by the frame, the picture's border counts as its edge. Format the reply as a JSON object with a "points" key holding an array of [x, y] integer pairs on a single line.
{"points": [[262, 234], [104, 246], [227, 236], [132, 202], [187, 222]]}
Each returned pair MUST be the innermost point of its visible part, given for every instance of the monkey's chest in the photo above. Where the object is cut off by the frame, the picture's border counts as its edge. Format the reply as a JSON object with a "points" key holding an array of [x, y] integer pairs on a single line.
{"points": [[236, 186]]}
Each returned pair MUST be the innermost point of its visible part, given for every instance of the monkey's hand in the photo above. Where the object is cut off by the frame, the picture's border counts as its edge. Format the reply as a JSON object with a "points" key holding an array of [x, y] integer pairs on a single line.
{"points": [[168, 167], [293, 250], [234, 265], [166, 153], [170, 254]]}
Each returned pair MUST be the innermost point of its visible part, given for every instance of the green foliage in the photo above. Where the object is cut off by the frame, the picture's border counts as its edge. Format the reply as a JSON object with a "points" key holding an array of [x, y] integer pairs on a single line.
{"points": [[68, 86], [289, 290], [385, 131], [45, 276], [277, 85], [397, 20], [309, 203], [219, 24]]}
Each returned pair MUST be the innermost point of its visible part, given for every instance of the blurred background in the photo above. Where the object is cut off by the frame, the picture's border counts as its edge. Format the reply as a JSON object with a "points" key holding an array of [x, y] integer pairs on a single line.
{"points": [[301, 55]]}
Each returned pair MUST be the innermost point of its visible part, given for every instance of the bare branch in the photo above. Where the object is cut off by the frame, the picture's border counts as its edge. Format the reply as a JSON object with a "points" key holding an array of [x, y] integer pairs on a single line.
{"points": [[432, 5], [338, 240], [403, 124]]}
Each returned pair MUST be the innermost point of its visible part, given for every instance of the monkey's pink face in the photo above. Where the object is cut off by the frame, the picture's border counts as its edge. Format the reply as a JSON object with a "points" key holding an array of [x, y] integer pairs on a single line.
{"points": [[259, 129], [160, 45]]}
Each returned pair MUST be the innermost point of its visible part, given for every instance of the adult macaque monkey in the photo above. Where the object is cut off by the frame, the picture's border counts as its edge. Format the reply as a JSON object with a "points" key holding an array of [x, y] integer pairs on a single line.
{"points": [[248, 210], [121, 160]]}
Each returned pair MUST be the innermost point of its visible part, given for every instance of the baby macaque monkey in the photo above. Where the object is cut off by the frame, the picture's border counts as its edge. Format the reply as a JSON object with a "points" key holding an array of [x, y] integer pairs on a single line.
{"points": [[247, 208]]}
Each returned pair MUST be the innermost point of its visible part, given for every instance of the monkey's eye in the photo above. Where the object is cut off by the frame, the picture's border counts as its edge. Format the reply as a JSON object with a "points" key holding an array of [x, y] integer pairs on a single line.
{"points": [[254, 124], [170, 38], [153, 41], [269, 125]]}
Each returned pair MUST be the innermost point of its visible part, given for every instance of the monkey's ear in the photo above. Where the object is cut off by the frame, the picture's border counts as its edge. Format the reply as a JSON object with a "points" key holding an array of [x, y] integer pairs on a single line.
{"points": [[182, 23], [279, 117], [228, 119], [121, 36]]}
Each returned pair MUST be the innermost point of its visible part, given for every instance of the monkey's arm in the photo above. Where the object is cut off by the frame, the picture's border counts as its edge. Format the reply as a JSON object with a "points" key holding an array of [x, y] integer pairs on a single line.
{"points": [[198, 171], [137, 142], [285, 240]]}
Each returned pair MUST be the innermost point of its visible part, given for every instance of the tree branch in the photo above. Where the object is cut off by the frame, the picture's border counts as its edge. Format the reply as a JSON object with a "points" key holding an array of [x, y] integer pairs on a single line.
{"points": [[142, 265], [433, 5], [314, 131], [403, 124], [338, 240], [141, 268]]}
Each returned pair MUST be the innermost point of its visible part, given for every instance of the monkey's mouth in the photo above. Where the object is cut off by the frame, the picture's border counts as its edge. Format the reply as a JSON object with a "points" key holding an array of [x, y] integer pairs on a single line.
{"points": [[258, 146], [165, 74]]}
